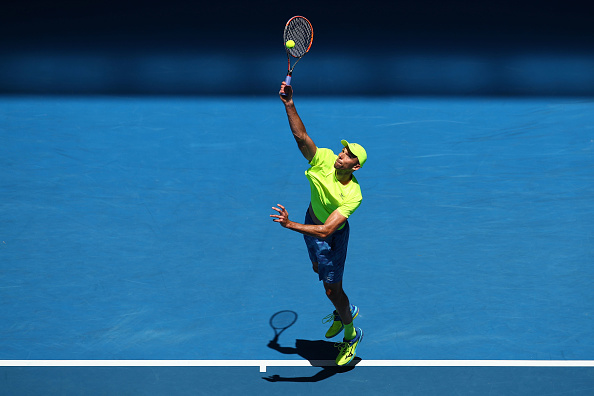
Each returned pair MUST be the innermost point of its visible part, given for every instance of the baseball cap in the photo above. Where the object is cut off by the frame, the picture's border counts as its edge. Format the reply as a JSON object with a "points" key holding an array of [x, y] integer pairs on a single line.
{"points": [[357, 150]]}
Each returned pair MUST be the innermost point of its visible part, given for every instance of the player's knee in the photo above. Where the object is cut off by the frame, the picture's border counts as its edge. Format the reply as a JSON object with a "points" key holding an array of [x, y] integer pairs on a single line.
{"points": [[331, 293]]}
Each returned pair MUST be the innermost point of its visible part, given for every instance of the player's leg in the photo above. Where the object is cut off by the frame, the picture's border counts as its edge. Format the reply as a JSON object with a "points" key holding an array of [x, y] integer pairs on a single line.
{"points": [[352, 335], [336, 294], [340, 300]]}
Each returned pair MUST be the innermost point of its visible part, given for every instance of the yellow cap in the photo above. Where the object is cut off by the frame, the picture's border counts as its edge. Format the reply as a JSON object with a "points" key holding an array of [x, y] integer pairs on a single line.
{"points": [[356, 149]]}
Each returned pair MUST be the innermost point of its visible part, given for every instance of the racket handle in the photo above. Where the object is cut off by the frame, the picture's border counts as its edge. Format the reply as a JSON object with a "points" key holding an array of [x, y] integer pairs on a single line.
{"points": [[288, 81]]}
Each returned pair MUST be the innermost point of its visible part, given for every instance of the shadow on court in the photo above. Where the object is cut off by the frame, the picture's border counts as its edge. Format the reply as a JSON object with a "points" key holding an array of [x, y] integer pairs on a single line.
{"points": [[319, 353]]}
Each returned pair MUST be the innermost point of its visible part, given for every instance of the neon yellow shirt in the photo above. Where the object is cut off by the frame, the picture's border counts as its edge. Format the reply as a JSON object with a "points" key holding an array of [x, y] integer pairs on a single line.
{"points": [[327, 193]]}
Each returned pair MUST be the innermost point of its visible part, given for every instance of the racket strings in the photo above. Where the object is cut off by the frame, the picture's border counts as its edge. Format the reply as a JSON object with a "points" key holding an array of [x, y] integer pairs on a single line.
{"points": [[300, 31]]}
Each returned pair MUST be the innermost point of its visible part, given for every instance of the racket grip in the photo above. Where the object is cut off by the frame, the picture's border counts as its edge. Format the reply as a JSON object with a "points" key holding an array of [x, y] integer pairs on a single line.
{"points": [[288, 80]]}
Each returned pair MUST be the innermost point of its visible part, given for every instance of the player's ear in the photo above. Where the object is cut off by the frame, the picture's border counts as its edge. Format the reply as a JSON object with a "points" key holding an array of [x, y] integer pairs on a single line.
{"points": [[356, 167]]}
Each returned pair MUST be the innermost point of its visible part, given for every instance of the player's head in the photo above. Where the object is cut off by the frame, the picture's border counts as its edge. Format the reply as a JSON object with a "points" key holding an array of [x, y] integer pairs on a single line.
{"points": [[357, 150]]}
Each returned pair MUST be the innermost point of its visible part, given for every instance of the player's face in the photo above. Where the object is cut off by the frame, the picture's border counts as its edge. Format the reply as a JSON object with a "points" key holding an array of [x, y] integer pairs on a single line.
{"points": [[346, 160]]}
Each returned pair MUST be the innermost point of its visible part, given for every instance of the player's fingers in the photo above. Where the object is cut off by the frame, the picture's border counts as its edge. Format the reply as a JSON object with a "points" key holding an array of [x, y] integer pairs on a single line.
{"points": [[281, 206]]}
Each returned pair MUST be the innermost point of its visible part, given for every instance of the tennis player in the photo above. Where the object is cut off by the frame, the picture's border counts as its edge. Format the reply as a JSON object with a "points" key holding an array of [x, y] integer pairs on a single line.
{"points": [[335, 195]]}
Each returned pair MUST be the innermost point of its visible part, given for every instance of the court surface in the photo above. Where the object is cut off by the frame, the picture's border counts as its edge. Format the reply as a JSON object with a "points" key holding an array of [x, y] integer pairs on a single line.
{"points": [[137, 228]]}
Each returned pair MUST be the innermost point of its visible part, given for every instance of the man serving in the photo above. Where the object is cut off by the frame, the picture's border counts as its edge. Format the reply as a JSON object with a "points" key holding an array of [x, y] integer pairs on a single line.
{"points": [[335, 195]]}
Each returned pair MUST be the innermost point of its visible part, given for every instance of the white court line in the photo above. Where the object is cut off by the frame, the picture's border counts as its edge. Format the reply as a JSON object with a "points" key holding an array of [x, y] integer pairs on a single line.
{"points": [[263, 364]]}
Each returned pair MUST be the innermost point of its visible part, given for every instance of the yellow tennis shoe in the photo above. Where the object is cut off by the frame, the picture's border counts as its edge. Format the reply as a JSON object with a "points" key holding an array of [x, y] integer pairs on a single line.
{"points": [[348, 349]]}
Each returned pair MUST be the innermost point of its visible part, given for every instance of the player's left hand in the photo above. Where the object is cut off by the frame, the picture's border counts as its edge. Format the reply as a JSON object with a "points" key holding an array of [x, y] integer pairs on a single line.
{"points": [[282, 217]]}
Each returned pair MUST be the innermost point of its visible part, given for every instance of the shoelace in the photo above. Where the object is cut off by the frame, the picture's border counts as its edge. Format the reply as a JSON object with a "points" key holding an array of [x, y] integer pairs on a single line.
{"points": [[343, 347], [344, 344], [329, 318]]}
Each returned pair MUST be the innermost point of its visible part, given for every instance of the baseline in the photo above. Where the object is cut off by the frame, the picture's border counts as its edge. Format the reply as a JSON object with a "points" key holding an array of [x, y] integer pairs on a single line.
{"points": [[263, 364]]}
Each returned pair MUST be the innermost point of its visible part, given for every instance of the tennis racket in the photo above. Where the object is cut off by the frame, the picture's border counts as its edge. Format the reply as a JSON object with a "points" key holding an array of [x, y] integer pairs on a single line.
{"points": [[281, 321], [299, 30]]}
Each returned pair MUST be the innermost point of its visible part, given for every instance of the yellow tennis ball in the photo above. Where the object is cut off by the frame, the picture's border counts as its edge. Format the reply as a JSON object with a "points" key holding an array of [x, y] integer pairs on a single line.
{"points": [[290, 44]]}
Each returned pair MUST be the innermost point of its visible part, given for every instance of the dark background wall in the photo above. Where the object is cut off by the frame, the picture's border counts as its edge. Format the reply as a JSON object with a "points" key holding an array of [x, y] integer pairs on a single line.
{"points": [[458, 47]]}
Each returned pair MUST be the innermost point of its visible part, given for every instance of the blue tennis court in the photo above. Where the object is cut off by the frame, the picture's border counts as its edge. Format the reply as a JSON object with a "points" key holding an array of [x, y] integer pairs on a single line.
{"points": [[137, 228]]}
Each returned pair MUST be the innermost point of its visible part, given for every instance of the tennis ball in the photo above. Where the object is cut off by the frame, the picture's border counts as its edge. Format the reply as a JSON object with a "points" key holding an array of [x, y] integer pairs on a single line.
{"points": [[290, 44]]}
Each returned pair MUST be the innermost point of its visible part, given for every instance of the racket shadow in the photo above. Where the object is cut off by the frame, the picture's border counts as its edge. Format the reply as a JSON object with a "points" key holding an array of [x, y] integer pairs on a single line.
{"points": [[319, 353]]}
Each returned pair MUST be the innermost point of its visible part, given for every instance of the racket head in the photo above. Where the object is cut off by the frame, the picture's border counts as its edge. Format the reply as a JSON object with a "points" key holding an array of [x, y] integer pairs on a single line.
{"points": [[282, 320], [300, 30]]}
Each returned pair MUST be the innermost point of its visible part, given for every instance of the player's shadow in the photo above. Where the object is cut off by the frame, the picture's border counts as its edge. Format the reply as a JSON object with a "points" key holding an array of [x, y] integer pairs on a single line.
{"points": [[319, 354]]}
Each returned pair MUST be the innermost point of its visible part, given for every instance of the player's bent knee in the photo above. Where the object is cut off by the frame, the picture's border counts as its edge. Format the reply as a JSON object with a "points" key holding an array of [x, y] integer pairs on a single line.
{"points": [[331, 293]]}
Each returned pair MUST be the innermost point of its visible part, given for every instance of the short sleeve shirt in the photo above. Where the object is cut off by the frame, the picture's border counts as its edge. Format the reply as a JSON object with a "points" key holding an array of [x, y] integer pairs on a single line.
{"points": [[327, 193]]}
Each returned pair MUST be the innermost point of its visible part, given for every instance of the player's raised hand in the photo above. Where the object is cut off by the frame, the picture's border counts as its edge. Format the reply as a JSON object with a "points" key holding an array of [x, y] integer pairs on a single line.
{"points": [[282, 217], [286, 92]]}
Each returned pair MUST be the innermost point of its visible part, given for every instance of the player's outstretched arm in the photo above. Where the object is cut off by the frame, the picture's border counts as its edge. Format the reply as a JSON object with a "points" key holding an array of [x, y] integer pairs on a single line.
{"points": [[304, 142], [334, 221]]}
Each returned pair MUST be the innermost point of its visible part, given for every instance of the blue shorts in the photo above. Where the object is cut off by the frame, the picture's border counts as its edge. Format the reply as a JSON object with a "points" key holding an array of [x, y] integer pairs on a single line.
{"points": [[329, 253]]}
